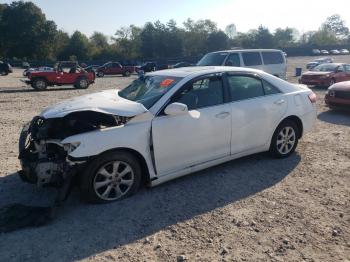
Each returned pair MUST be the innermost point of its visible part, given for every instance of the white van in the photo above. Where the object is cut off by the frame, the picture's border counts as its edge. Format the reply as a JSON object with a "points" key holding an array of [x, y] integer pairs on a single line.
{"points": [[271, 61]]}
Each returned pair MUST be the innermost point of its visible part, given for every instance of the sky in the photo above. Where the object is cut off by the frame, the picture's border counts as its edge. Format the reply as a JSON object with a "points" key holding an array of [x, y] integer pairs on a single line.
{"points": [[107, 16]]}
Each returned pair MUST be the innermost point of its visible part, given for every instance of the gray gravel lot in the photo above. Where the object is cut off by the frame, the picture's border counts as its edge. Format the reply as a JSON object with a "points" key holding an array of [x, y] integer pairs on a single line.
{"points": [[251, 209]]}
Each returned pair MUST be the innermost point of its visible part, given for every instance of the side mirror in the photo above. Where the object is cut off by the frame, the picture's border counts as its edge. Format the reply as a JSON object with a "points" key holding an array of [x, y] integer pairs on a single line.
{"points": [[176, 109]]}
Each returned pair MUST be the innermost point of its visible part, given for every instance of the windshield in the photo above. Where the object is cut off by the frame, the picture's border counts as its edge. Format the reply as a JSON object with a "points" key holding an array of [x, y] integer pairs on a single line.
{"points": [[325, 68], [149, 89], [212, 59]]}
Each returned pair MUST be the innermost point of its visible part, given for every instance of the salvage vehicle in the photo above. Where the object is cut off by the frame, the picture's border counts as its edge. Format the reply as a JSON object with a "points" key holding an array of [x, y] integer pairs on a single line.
{"points": [[338, 95], [64, 73], [271, 61], [162, 126], [326, 75], [114, 68], [5, 68]]}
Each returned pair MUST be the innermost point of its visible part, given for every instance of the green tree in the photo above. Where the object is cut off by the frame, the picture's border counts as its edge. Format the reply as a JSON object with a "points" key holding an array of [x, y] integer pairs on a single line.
{"points": [[25, 32], [336, 25], [217, 41], [78, 46], [283, 37]]}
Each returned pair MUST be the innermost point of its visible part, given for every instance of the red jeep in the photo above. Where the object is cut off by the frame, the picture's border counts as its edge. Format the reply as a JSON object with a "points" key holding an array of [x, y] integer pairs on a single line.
{"points": [[64, 73], [115, 68]]}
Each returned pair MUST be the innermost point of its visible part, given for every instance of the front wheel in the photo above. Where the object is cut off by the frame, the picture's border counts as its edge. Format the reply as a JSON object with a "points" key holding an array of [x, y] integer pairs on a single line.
{"points": [[100, 74], [82, 83], [284, 140], [127, 74], [110, 177]]}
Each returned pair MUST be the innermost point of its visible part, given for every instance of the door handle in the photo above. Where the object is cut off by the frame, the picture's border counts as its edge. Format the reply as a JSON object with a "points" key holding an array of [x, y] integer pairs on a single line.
{"points": [[279, 102], [222, 115]]}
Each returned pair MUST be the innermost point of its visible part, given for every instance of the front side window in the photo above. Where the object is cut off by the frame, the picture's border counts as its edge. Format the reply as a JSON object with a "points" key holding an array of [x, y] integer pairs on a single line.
{"points": [[251, 58], [202, 93], [213, 59], [244, 87], [347, 68], [272, 58], [149, 90], [233, 60]]}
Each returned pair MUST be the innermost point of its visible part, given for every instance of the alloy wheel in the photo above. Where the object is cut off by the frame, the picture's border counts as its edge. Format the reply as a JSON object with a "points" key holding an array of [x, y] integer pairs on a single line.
{"points": [[286, 140]]}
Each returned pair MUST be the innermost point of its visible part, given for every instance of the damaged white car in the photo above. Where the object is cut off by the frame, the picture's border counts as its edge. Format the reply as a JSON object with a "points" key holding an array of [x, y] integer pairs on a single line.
{"points": [[162, 126]]}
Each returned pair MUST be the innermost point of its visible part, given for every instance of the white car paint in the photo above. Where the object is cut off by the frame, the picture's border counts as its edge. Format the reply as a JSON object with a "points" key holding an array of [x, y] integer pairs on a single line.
{"points": [[173, 146]]}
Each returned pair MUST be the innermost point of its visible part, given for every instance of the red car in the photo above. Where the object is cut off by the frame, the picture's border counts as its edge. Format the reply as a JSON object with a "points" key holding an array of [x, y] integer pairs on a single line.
{"points": [[115, 68], [326, 75], [338, 95], [64, 73]]}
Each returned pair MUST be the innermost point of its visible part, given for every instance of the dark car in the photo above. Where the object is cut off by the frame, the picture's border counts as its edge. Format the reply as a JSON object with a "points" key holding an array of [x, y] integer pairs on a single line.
{"points": [[91, 68], [338, 95], [5, 68], [148, 67], [114, 68], [181, 64], [326, 75], [319, 61]]}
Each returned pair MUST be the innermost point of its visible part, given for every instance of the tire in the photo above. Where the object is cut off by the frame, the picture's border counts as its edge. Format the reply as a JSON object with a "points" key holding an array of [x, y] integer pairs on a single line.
{"points": [[285, 139], [39, 84], [100, 74], [126, 74], [101, 184], [332, 82], [82, 83]]}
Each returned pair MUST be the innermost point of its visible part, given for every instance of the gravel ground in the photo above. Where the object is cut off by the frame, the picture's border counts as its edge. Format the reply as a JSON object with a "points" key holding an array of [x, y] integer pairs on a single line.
{"points": [[251, 209]]}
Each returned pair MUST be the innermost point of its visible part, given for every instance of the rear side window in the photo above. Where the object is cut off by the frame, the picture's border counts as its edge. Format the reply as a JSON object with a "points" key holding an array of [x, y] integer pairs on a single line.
{"points": [[347, 68], [270, 89], [244, 87], [272, 58], [251, 58]]}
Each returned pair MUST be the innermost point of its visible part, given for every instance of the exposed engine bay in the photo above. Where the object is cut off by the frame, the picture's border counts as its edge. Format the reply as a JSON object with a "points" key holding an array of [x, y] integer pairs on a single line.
{"points": [[44, 159]]}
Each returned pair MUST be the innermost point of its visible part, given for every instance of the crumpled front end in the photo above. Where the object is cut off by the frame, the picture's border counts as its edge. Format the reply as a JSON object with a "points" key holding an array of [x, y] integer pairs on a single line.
{"points": [[44, 158]]}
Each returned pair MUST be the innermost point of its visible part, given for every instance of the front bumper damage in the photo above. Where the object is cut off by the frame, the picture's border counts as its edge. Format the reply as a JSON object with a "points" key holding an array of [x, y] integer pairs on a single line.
{"points": [[45, 162]]}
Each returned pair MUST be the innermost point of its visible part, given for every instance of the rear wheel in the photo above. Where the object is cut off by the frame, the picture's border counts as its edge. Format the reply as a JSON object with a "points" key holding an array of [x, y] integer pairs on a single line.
{"points": [[39, 84], [110, 177], [82, 83], [332, 82], [284, 140]]}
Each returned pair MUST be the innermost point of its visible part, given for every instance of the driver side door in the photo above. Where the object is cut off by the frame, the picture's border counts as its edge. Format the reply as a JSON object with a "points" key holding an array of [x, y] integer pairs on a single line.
{"points": [[197, 136]]}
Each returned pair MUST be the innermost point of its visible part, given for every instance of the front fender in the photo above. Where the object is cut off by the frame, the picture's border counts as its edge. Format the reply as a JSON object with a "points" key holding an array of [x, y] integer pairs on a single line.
{"points": [[135, 136]]}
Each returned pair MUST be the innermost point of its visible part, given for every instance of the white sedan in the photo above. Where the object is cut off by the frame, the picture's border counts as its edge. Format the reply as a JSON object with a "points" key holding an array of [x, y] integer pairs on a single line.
{"points": [[162, 126]]}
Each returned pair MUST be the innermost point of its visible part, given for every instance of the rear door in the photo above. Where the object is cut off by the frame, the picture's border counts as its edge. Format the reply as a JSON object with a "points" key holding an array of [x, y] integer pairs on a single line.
{"points": [[201, 135], [256, 108]]}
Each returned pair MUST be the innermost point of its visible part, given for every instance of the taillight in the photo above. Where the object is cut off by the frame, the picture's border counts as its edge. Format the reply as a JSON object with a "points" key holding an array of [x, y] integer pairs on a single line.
{"points": [[313, 98]]}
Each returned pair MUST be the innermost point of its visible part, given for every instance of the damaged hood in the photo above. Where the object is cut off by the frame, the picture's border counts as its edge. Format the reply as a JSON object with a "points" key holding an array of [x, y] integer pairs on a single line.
{"points": [[108, 102]]}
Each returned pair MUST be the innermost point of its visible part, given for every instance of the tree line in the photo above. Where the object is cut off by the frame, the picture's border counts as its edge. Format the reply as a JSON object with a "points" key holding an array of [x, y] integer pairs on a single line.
{"points": [[25, 33]]}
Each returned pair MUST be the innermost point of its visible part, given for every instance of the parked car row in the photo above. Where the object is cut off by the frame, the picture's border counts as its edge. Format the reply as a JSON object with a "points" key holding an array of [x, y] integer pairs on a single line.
{"points": [[333, 52]]}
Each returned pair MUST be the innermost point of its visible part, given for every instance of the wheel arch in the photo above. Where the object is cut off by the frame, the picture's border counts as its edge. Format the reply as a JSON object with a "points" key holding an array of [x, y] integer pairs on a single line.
{"points": [[297, 121], [143, 164]]}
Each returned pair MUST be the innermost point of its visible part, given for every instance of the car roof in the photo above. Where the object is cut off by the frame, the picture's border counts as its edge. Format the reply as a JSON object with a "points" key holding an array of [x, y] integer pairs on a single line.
{"points": [[247, 50], [201, 70]]}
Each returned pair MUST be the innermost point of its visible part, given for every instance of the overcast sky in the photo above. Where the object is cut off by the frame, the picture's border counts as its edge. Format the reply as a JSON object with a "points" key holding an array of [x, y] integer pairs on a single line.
{"points": [[108, 15]]}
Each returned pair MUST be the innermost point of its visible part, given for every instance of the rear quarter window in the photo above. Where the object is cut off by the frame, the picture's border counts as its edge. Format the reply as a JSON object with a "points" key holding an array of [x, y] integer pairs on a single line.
{"points": [[272, 58], [251, 58]]}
